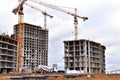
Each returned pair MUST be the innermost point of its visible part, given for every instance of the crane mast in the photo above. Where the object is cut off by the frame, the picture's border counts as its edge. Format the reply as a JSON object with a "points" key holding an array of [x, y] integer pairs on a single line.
{"points": [[20, 38], [76, 25]]}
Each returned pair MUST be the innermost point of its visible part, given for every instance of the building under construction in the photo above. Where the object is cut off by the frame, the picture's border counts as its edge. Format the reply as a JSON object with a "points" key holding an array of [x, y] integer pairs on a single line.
{"points": [[8, 53], [85, 55], [34, 45]]}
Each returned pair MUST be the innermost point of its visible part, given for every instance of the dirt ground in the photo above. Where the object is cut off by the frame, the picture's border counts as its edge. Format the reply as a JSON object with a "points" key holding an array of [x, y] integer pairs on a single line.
{"points": [[7, 76], [95, 77]]}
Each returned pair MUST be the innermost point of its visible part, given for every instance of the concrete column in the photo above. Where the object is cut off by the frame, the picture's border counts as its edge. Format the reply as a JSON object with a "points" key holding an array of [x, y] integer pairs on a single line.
{"points": [[89, 57], [85, 57], [0, 66], [4, 70], [68, 56], [74, 54]]}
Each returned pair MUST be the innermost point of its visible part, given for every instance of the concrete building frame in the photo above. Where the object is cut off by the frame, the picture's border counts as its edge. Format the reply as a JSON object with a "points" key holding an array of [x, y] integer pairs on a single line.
{"points": [[85, 55], [35, 45]]}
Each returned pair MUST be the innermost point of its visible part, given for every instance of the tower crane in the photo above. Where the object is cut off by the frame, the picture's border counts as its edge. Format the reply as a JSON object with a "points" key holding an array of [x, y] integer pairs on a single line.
{"points": [[43, 12], [19, 10], [64, 11]]}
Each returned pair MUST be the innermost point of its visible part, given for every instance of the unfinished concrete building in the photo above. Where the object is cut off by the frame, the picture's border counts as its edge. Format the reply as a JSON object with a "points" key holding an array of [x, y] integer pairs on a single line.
{"points": [[8, 53], [85, 55], [35, 45]]}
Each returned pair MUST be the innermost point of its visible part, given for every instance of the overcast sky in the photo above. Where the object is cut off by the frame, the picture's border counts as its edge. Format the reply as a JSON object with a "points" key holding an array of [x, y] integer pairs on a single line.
{"points": [[103, 26]]}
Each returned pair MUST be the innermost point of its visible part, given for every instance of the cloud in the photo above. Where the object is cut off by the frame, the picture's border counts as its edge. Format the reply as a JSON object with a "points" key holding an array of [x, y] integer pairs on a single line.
{"points": [[113, 19]]}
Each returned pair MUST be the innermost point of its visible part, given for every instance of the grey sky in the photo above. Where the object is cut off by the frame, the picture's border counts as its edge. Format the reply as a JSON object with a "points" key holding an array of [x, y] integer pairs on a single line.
{"points": [[103, 26]]}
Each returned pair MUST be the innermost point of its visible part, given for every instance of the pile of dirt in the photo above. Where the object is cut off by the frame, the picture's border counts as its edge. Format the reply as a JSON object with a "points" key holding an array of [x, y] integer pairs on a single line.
{"points": [[4, 78]]}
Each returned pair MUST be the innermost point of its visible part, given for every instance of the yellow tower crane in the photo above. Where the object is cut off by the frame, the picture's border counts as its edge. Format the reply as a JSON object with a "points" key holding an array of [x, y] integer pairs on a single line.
{"points": [[19, 10]]}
